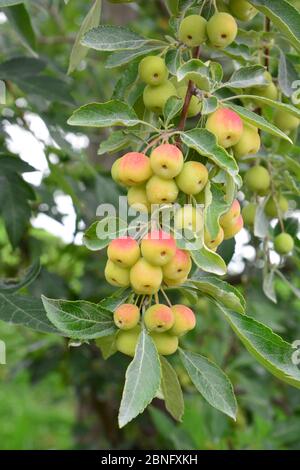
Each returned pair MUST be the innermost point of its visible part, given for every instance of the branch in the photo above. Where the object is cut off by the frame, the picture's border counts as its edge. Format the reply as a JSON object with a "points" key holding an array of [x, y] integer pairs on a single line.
{"points": [[267, 49]]}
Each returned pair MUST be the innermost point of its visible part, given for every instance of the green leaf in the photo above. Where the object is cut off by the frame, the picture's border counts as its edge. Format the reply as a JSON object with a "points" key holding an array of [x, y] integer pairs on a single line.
{"points": [[14, 206], [284, 16], [215, 206], [115, 142], [50, 88], [20, 20], [25, 310], [268, 348], [173, 60], [111, 113], [142, 380], [219, 290], [123, 57], [128, 78], [112, 38], [107, 345], [21, 66], [276, 104], [246, 77], [9, 3], [209, 261], [113, 301], [9, 286], [209, 105], [10, 163], [79, 319], [100, 233], [257, 120], [287, 75], [211, 382], [205, 143], [196, 71], [91, 20], [172, 107], [171, 390]]}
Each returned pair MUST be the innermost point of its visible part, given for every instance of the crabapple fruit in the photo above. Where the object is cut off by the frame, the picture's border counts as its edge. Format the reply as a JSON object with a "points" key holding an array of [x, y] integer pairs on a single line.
{"points": [[249, 143], [158, 247], [175, 282], [188, 218], [155, 97], [221, 30], [283, 243], [271, 207], [184, 320], [231, 214], [233, 228], [195, 105], [126, 340], [242, 10], [153, 70], [192, 30], [115, 275], [134, 169], [179, 267], [137, 198], [192, 178], [285, 121], [257, 179], [115, 171], [124, 251], [160, 190], [126, 316], [213, 243], [166, 161], [159, 318], [145, 278], [226, 125], [165, 343], [249, 213]]}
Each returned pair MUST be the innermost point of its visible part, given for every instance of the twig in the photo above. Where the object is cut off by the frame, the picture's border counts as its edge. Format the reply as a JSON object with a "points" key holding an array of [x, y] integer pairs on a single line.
{"points": [[267, 49]]}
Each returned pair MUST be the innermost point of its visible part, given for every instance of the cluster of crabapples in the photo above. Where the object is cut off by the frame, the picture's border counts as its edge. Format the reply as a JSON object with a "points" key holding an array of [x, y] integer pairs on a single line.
{"points": [[146, 266]]}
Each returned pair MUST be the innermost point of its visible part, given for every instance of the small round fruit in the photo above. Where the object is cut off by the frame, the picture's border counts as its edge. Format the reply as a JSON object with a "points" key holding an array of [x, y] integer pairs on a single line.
{"points": [[188, 218], [126, 316], [233, 213], [179, 267], [115, 275], [159, 318], [221, 30], [257, 179], [283, 243], [161, 191], [115, 171], [249, 213], [226, 125], [242, 10], [195, 105], [270, 91], [137, 198], [213, 243], [134, 169], [155, 97], [249, 143], [175, 282], [158, 247], [145, 278], [165, 343], [285, 121], [184, 320], [193, 178], [233, 228], [124, 251], [166, 161], [126, 340], [271, 207], [153, 70], [192, 30]]}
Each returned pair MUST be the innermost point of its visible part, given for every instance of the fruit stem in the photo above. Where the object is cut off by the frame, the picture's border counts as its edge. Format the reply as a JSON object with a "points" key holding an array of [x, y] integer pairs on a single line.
{"points": [[156, 298], [166, 297]]}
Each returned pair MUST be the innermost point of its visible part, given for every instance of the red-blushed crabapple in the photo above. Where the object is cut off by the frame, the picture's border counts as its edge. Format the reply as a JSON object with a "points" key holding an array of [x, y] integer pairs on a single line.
{"points": [[126, 340], [178, 267], [134, 169], [192, 30], [153, 70], [145, 278], [271, 208], [165, 343], [155, 97], [285, 121], [184, 320], [115, 275], [124, 251], [283, 243], [158, 247], [221, 30], [192, 178], [249, 143], [160, 190], [257, 179], [127, 316], [232, 213], [188, 218], [249, 214], [159, 318], [137, 198], [213, 243], [166, 161], [242, 10], [226, 125], [233, 228]]}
